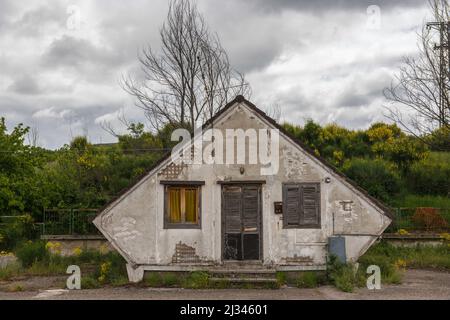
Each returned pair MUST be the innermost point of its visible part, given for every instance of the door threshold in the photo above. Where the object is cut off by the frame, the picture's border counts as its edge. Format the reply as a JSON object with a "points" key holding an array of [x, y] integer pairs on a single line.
{"points": [[256, 262]]}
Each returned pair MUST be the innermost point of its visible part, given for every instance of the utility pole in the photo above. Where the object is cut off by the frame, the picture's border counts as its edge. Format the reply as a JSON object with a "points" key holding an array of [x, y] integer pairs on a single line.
{"points": [[444, 67]]}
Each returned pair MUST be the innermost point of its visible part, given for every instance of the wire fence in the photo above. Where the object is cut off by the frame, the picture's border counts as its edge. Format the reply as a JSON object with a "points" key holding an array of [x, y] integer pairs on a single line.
{"points": [[69, 222], [424, 219]]}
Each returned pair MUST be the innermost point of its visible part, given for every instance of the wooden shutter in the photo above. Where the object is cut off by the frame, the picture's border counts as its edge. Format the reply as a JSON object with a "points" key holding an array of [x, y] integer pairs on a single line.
{"points": [[232, 204], [250, 209], [310, 211], [301, 205], [291, 210]]}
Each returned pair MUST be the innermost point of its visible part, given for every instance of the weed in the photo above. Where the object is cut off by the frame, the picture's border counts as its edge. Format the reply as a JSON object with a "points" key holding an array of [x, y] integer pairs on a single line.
{"points": [[307, 279], [281, 278], [153, 279], [89, 282], [15, 288], [30, 252], [196, 280]]}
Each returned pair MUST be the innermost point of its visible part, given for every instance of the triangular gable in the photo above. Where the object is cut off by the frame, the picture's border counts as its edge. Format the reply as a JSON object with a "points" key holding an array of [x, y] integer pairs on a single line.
{"points": [[166, 159]]}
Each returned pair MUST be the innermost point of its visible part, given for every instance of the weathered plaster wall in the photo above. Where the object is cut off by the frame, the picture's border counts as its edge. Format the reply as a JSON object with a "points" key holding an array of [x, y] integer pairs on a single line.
{"points": [[135, 223]]}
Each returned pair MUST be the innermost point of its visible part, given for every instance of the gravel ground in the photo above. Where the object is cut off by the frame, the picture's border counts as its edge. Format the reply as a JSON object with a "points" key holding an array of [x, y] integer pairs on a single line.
{"points": [[417, 284]]}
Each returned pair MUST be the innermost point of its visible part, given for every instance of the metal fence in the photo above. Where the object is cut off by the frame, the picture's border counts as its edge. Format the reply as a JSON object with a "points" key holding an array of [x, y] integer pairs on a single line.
{"points": [[420, 219], [69, 222]]}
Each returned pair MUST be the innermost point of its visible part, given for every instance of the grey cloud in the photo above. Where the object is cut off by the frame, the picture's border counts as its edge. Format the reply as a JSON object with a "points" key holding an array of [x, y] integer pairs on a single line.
{"points": [[320, 6], [257, 34], [34, 22], [27, 85], [73, 52]]}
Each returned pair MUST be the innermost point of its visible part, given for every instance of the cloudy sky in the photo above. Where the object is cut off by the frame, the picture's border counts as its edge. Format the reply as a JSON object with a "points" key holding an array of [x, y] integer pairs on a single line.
{"points": [[61, 61]]}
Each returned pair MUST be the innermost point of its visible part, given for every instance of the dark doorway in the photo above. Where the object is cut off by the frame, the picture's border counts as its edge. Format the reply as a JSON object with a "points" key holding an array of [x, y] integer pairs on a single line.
{"points": [[241, 222]]}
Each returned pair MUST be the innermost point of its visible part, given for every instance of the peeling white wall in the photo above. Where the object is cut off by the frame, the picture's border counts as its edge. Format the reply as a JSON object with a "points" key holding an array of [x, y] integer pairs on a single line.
{"points": [[134, 223]]}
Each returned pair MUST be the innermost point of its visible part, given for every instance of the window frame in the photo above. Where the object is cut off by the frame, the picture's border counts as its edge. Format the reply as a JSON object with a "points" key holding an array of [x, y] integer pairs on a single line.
{"points": [[182, 185], [318, 225]]}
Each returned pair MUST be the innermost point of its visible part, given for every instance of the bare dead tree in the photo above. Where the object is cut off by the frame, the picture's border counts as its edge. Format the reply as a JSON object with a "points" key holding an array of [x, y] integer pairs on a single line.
{"points": [[191, 78], [33, 137], [418, 96], [109, 128]]}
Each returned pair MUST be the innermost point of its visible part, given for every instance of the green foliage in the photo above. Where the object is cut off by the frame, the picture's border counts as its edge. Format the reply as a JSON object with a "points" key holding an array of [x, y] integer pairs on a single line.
{"points": [[439, 140], [10, 271], [431, 175], [89, 282], [308, 279], [414, 201], [30, 252], [281, 277], [343, 275], [420, 256], [20, 229], [196, 280], [379, 177]]}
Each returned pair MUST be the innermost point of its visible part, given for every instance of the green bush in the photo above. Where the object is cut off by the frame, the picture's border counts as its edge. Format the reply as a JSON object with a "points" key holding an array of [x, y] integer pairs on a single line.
{"points": [[431, 176], [196, 280], [17, 231], [343, 275], [89, 282], [379, 177], [30, 252], [307, 280]]}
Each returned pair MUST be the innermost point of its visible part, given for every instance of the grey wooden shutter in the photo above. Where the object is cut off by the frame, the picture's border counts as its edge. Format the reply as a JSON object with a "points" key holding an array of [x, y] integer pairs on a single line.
{"points": [[232, 204], [310, 205], [250, 209], [291, 210]]}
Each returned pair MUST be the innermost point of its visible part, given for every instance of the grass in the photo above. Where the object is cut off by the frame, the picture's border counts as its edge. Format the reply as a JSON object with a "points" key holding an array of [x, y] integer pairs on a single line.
{"points": [[420, 257], [192, 280], [10, 271], [96, 268], [15, 288], [415, 201], [308, 279], [196, 280], [109, 269], [301, 279]]}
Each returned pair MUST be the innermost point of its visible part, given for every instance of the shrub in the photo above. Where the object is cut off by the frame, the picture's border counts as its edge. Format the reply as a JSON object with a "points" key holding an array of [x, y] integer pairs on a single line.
{"points": [[30, 252], [88, 282], [21, 229], [429, 219], [196, 280], [153, 279], [9, 271], [378, 177], [307, 280], [431, 176], [343, 275]]}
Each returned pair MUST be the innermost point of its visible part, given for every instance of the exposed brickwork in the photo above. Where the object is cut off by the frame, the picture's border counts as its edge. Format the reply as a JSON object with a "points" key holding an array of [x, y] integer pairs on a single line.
{"points": [[184, 254], [172, 171]]}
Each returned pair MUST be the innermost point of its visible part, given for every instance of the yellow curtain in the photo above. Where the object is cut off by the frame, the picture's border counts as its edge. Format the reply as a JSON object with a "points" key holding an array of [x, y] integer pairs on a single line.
{"points": [[191, 205], [175, 205]]}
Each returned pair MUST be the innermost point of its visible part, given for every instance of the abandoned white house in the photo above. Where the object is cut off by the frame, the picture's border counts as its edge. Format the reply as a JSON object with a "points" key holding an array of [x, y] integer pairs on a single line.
{"points": [[194, 216]]}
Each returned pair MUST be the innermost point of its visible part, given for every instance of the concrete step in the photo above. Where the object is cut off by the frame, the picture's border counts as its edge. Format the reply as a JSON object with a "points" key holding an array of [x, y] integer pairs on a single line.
{"points": [[245, 274], [243, 280]]}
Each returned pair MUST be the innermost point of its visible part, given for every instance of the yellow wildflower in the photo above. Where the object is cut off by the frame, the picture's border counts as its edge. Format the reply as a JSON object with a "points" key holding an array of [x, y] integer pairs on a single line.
{"points": [[400, 264], [77, 251], [403, 232]]}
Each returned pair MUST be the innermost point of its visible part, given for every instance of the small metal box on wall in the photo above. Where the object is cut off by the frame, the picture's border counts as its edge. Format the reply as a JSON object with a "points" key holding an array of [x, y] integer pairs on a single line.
{"points": [[278, 207], [336, 247]]}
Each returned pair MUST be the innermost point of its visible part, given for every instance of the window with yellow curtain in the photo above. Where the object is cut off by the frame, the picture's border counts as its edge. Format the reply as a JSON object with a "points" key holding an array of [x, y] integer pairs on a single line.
{"points": [[182, 205]]}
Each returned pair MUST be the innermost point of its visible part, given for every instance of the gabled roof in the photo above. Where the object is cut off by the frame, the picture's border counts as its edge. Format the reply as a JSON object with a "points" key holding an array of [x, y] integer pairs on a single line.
{"points": [[240, 99]]}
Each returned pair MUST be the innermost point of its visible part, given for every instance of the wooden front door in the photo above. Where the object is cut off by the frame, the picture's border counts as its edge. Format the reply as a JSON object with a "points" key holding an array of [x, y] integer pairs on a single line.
{"points": [[241, 222]]}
